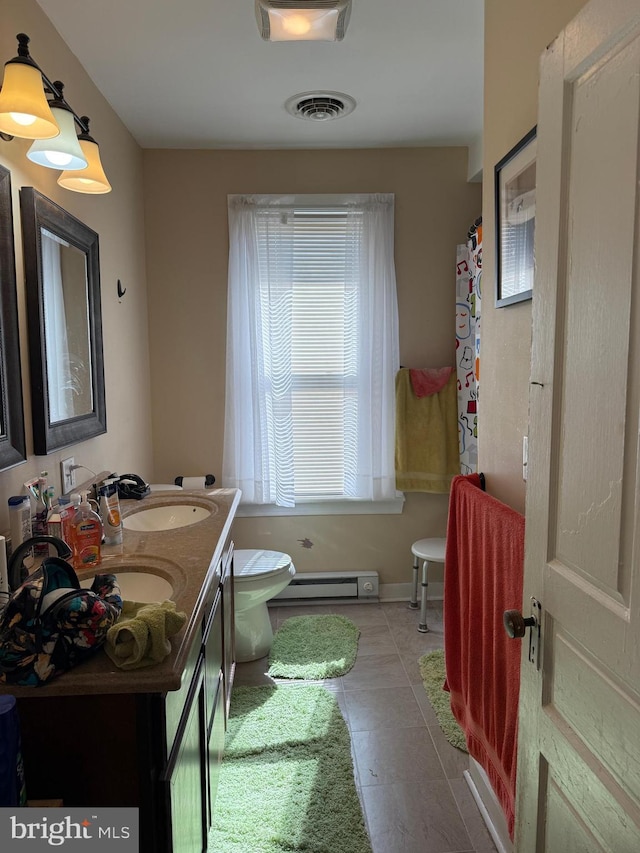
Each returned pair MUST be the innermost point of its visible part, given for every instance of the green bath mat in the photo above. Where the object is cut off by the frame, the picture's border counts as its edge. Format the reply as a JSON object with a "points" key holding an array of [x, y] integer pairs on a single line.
{"points": [[286, 781], [313, 647], [432, 671]]}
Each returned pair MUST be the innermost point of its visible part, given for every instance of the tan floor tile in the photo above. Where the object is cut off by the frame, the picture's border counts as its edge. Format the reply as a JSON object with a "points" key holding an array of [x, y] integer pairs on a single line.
{"points": [[385, 756], [376, 671], [454, 761], [414, 818], [361, 614], [383, 707], [375, 639], [408, 639], [426, 707]]}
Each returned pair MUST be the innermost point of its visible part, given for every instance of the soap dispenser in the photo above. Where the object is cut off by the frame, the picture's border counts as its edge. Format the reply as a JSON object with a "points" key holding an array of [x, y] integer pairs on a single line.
{"points": [[86, 536]]}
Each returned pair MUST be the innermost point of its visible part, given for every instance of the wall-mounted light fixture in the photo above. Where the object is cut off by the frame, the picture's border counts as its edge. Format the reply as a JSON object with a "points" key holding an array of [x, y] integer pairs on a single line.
{"points": [[26, 112], [303, 20]]}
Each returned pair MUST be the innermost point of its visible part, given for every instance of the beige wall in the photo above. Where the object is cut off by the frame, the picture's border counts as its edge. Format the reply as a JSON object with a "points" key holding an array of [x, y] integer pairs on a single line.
{"points": [[516, 33], [187, 247], [118, 219], [185, 201]]}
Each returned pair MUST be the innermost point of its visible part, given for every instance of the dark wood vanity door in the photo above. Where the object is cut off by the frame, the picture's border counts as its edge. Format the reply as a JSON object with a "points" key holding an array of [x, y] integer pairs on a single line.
{"points": [[186, 776], [228, 629]]}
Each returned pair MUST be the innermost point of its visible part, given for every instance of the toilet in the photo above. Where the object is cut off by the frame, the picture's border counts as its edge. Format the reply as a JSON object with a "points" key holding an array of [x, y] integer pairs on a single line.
{"points": [[257, 577]]}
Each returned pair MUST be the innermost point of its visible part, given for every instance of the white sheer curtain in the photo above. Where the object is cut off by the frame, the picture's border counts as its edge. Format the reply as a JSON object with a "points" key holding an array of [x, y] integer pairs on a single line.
{"points": [[260, 387], [55, 326]]}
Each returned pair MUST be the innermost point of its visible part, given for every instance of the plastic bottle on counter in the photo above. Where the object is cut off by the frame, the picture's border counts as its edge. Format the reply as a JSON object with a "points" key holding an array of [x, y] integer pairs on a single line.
{"points": [[20, 520], [110, 512], [54, 521], [67, 512], [4, 574], [86, 536]]}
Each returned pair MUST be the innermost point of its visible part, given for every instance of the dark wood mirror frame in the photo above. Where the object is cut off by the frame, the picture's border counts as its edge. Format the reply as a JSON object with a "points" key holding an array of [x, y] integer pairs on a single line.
{"points": [[39, 212], [12, 442]]}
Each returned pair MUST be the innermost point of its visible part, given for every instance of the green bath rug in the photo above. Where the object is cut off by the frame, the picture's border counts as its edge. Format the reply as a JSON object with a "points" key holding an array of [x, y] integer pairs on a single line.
{"points": [[432, 670], [314, 647], [286, 781]]}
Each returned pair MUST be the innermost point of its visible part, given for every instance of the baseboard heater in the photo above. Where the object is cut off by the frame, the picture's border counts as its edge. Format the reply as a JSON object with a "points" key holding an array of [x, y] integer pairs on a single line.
{"points": [[310, 587]]}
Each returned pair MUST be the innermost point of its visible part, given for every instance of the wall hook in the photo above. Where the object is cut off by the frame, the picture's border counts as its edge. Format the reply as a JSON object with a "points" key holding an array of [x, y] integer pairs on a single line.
{"points": [[121, 290]]}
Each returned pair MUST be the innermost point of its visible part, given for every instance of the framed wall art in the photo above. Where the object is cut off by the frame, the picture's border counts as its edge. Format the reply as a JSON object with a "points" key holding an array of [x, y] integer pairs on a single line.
{"points": [[515, 190]]}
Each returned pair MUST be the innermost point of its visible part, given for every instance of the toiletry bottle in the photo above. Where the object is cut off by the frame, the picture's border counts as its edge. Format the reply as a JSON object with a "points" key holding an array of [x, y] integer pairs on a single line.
{"points": [[4, 575], [110, 512], [40, 513], [20, 520], [67, 512], [54, 521], [86, 536]]}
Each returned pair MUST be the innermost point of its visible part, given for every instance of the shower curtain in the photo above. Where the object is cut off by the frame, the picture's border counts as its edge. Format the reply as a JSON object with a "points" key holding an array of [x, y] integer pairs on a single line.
{"points": [[468, 301]]}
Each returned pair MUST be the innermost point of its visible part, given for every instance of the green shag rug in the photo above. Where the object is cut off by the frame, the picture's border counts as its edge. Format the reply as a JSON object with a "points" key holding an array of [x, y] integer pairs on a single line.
{"points": [[432, 671], [286, 780], [313, 647]]}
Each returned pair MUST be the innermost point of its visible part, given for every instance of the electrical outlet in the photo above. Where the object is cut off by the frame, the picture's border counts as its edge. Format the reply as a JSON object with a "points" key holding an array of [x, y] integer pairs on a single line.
{"points": [[68, 475]]}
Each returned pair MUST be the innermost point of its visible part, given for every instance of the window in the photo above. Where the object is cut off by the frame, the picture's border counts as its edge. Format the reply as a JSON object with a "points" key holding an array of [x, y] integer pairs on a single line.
{"points": [[312, 349]]}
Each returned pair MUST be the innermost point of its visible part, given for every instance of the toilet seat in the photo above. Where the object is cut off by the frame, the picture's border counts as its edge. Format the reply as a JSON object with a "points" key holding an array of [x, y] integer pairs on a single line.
{"points": [[251, 563]]}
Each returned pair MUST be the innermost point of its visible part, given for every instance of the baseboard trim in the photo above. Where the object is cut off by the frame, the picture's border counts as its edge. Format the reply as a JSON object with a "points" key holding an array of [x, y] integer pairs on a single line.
{"points": [[402, 592], [488, 805]]}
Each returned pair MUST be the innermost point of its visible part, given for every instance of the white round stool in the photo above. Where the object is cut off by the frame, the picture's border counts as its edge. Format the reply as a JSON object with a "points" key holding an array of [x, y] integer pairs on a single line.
{"points": [[429, 551]]}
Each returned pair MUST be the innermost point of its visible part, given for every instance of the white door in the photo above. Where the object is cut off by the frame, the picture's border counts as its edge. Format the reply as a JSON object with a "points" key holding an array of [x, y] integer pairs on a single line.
{"points": [[579, 725]]}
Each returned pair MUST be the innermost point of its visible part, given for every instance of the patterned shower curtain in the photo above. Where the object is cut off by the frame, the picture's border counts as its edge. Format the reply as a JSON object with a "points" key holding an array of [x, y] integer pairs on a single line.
{"points": [[468, 302]]}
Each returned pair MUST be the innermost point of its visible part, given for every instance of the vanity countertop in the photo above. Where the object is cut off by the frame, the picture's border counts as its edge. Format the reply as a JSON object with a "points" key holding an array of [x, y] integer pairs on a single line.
{"points": [[188, 557]]}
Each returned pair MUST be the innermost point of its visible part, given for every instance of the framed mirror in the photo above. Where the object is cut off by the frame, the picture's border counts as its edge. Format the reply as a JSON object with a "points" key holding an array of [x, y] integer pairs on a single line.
{"points": [[12, 443], [62, 271]]}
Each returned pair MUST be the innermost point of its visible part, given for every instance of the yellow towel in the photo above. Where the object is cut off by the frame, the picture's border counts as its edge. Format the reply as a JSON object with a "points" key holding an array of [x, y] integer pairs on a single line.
{"points": [[141, 636], [427, 455]]}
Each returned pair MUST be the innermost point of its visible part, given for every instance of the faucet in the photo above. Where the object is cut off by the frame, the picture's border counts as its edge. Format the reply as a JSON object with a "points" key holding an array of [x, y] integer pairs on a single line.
{"points": [[15, 568]]}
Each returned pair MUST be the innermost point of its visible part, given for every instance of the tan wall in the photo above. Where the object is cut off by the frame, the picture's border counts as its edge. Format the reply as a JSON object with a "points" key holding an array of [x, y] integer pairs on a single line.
{"points": [[118, 219], [516, 33], [187, 248]]}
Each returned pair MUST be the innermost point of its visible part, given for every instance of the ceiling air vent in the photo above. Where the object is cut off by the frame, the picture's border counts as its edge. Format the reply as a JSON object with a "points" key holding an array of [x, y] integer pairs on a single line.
{"points": [[320, 106]]}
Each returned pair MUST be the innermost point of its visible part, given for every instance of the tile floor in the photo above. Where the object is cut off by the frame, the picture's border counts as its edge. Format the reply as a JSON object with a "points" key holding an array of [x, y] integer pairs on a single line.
{"points": [[409, 777]]}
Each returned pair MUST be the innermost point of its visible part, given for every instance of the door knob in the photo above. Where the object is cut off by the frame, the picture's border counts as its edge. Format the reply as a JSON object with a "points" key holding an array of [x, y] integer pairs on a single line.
{"points": [[515, 623]]}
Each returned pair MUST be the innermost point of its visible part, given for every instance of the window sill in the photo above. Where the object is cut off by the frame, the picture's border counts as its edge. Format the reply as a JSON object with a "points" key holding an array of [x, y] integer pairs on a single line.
{"points": [[329, 507]]}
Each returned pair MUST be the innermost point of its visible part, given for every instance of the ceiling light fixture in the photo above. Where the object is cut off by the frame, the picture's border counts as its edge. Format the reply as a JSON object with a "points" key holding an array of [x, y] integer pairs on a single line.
{"points": [[26, 113], [303, 20]]}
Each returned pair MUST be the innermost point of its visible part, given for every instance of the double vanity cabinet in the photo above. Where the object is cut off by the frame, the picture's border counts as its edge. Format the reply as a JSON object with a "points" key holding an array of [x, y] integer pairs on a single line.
{"points": [[152, 738]]}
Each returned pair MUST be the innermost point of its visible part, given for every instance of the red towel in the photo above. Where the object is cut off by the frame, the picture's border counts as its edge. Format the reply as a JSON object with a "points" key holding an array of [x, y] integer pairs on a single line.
{"points": [[429, 380], [484, 564]]}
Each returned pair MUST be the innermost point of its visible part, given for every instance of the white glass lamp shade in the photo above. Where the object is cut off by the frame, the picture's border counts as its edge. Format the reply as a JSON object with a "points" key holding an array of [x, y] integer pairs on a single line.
{"points": [[89, 180], [24, 109], [62, 152]]}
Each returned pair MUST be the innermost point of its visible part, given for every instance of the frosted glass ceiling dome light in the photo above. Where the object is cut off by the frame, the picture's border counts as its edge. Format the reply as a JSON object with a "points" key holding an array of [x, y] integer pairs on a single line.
{"points": [[63, 151], [91, 180], [303, 20], [24, 109]]}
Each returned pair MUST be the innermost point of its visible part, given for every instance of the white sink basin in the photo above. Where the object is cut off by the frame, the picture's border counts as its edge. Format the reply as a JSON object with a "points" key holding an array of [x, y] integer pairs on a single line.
{"points": [[138, 586], [166, 517]]}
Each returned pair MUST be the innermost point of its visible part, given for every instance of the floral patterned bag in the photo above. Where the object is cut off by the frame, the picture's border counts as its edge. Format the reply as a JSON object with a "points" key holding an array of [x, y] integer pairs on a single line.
{"points": [[51, 623]]}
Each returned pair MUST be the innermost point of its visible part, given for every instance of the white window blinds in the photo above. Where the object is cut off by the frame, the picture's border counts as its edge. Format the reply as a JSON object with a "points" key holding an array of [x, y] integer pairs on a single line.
{"points": [[312, 349]]}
